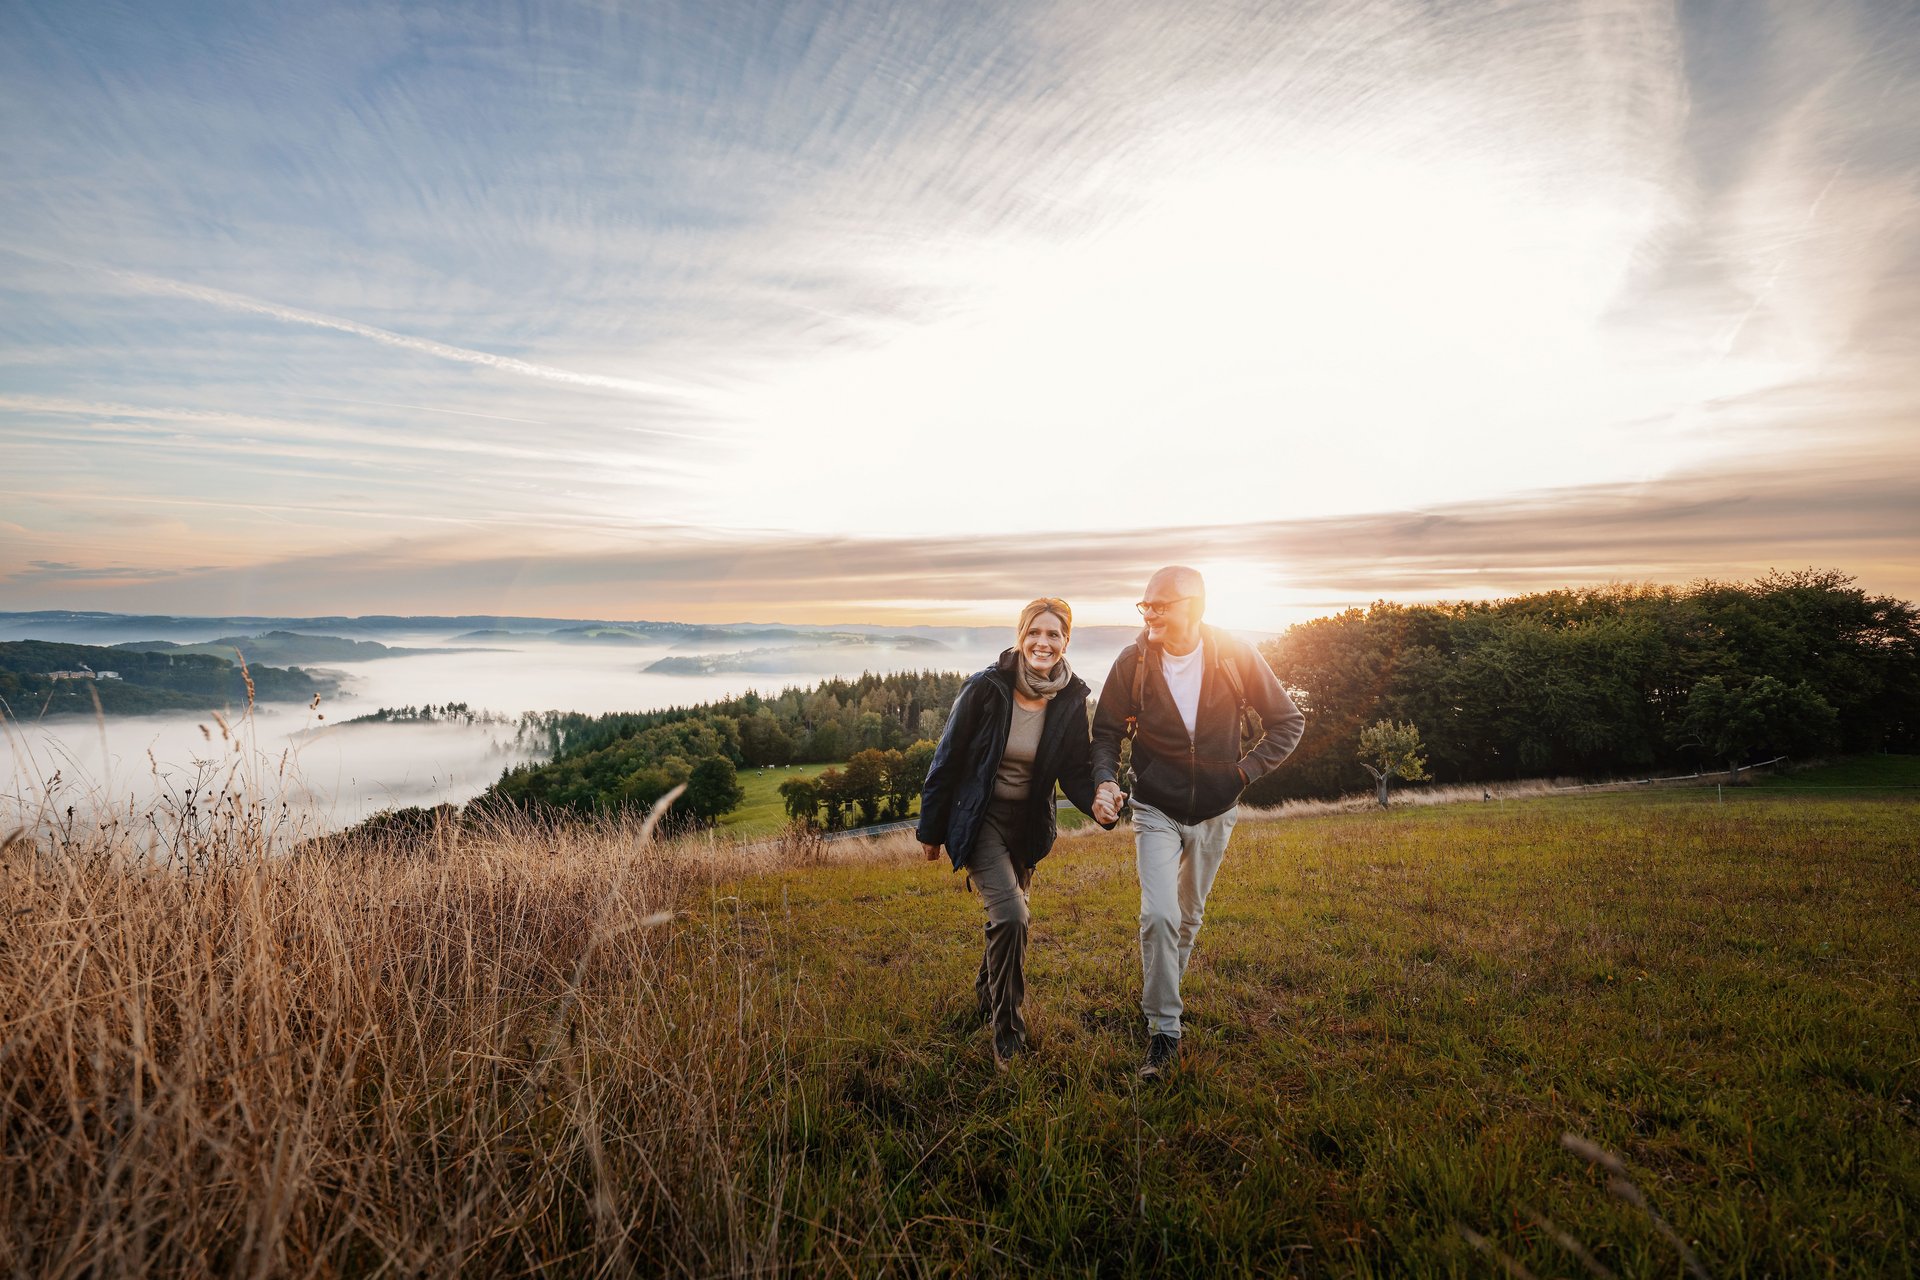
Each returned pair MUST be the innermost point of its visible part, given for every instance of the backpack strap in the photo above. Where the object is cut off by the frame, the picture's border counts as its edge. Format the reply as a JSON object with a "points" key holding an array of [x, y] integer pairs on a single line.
{"points": [[1139, 689], [1231, 670], [1247, 718]]}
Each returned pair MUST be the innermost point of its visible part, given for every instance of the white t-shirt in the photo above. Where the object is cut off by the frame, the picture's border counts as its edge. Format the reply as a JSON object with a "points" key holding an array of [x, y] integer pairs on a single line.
{"points": [[1183, 681]]}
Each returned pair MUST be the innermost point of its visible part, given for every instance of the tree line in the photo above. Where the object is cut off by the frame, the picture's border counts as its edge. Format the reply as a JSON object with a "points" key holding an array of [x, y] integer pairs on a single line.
{"points": [[1604, 681], [875, 786], [601, 764]]}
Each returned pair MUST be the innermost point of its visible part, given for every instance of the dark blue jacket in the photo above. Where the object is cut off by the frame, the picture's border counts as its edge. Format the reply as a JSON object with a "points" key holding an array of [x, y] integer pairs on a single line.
{"points": [[960, 780]]}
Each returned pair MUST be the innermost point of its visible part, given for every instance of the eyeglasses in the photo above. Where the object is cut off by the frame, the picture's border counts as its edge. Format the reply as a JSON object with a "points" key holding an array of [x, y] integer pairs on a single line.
{"points": [[1154, 608]]}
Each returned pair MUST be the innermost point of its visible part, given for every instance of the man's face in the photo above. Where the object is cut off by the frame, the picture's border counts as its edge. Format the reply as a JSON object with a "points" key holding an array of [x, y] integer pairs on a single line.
{"points": [[1171, 611]]}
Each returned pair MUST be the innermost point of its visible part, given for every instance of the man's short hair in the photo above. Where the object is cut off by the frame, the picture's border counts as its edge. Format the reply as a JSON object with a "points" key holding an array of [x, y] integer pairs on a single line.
{"points": [[1186, 581]]}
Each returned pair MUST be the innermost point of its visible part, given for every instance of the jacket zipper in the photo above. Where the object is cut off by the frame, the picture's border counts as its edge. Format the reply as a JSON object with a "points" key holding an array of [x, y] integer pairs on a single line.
{"points": [[1193, 737], [1193, 769], [999, 751], [1193, 742], [999, 755]]}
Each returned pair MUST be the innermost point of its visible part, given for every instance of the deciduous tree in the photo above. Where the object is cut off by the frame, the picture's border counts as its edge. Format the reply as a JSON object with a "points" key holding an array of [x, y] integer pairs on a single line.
{"points": [[1391, 749], [801, 797], [713, 789], [1736, 722], [866, 783], [832, 790]]}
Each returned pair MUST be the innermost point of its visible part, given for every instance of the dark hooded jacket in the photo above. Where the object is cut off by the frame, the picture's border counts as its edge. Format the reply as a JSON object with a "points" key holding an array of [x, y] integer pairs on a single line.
{"points": [[1192, 777], [960, 781]]}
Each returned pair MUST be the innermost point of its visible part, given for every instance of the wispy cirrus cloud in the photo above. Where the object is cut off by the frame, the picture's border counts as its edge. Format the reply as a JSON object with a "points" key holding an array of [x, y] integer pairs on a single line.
{"points": [[799, 276], [405, 342]]}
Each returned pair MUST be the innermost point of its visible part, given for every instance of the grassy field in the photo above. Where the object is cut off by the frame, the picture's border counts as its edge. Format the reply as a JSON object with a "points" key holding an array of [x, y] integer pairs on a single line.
{"points": [[540, 1050], [1861, 773], [762, 812]]}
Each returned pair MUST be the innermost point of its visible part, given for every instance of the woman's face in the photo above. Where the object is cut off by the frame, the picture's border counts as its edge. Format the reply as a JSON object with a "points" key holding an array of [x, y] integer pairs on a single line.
{"points": [[1043, 642]]}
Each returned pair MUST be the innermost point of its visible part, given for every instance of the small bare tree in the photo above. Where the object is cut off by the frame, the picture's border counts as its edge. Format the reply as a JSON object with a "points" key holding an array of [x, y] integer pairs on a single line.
{"points": [[1390, 750]]}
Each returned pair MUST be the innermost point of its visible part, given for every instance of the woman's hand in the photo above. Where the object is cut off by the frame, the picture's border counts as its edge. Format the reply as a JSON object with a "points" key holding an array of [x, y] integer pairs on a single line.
{"points": [[931, 850]]}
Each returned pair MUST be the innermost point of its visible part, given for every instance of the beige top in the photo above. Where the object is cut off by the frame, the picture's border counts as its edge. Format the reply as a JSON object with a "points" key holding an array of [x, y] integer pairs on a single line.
{"points": [[1015, 778]]}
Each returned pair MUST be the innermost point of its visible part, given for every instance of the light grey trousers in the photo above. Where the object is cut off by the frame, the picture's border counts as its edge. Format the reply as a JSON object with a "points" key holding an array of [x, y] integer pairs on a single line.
{"points": [[1177, 864], [1001, 985]]}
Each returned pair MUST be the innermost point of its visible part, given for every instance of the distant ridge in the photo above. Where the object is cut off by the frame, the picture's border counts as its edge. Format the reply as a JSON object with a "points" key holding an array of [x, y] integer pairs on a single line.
{"points": [[82, 626], [40, 677], [186, 628], [287, 647]]}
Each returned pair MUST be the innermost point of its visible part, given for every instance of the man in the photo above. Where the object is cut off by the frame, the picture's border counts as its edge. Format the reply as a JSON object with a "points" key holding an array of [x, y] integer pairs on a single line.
{"points": [[1180, 692]]}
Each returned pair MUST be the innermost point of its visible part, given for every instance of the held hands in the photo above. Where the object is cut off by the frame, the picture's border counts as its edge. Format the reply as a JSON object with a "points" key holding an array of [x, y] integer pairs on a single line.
{"points": [[1106, 803]]}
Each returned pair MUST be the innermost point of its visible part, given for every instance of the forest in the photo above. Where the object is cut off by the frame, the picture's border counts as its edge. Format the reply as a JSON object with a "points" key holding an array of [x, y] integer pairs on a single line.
{"points": [[1604, 682]]}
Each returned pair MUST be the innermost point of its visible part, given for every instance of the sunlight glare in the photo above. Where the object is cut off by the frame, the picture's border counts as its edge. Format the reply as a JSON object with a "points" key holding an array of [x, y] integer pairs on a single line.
{"points": [[1343, 335]]}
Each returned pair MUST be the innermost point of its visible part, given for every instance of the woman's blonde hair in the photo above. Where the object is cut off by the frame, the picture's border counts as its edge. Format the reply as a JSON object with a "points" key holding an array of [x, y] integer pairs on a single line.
{"points": [[1045, 604]]}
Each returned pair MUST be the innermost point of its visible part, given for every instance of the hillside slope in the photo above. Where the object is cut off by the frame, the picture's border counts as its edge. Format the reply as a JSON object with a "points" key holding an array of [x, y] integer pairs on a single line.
{"points": [[143, 682], [546, 1047]]}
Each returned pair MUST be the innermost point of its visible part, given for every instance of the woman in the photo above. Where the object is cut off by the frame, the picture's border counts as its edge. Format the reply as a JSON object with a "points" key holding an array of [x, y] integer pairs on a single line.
{"points": [[1017, 728]]}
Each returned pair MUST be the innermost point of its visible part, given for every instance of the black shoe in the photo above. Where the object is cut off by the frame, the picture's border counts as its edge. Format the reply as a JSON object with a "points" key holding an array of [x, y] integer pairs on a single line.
{"points": [[1163, 1055]]}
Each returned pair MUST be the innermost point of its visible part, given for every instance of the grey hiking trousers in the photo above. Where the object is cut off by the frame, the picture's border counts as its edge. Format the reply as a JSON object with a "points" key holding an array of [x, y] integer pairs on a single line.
{"points": [[1001, 985], [1177, 864]]}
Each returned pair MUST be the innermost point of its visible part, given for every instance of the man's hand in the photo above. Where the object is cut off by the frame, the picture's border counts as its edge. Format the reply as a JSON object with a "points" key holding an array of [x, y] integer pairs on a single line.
{"points": [[1106, 803], [931, 850]]}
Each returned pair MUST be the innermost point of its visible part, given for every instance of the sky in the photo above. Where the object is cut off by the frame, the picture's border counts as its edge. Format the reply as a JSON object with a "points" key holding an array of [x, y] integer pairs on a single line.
{"points": [[855, 311]]}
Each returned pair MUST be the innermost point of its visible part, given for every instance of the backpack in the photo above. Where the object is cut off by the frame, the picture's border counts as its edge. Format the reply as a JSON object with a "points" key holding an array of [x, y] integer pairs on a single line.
{"points": [[1250, 726]]}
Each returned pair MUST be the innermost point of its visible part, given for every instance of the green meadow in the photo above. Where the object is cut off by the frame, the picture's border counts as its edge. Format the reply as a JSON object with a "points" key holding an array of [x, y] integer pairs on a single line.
{"points": [[762, 812], [1392, 1021], [559, 1050]]}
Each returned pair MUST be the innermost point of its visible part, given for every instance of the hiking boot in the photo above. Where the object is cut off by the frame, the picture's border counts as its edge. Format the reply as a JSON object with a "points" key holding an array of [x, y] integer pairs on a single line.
{"points": [[1163, 1054]]}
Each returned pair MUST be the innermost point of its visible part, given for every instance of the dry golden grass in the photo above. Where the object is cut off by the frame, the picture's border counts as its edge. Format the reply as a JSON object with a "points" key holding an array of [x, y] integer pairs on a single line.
{"points": [[482, 1054]]}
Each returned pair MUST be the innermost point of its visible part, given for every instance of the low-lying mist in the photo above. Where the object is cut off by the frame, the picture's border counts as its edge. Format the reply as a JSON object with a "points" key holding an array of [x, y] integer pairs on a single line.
{"points": [[331, 773]]}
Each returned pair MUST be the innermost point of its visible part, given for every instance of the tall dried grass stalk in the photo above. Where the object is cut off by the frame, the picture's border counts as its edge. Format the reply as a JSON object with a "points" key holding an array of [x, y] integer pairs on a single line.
{"points": [[508, 1047]]}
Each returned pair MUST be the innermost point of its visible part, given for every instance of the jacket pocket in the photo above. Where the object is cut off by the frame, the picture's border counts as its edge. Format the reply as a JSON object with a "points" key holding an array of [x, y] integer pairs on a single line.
{"points": [[1154, 783], [1216, 785]]}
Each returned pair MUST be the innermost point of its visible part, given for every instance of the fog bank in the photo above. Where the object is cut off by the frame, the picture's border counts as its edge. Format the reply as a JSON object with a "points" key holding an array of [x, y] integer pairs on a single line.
{"points": [[330, 773]]}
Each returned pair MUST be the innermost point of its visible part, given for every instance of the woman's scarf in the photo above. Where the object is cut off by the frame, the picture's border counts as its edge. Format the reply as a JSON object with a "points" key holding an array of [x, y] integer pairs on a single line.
{"points": [[1034, 685]]}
